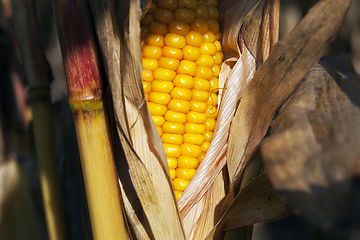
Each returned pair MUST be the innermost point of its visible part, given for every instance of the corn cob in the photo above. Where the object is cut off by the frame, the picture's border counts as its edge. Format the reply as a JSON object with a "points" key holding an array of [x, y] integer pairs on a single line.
{"points": [[181, 56]]}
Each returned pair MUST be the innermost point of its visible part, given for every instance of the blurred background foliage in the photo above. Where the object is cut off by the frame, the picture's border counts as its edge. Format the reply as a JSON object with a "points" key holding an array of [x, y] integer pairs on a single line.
{"points": [[21, 212]]}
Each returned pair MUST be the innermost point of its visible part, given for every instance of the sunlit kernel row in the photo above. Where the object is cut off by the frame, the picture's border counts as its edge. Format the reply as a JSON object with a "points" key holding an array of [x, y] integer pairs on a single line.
{"points": [[181, 56]]}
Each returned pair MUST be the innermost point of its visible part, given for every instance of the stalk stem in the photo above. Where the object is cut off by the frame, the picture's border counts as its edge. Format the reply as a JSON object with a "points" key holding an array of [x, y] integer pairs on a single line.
{"points": [[36, 69], [85, 91]]}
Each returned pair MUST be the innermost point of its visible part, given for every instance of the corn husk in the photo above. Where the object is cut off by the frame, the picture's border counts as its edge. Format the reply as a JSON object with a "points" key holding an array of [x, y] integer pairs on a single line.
{"points": [[317, 133], [259, 75]]}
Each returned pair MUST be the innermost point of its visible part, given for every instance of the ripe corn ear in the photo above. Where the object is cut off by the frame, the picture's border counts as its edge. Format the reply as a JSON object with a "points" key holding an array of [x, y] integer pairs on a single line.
{"points": [[181, 57]]}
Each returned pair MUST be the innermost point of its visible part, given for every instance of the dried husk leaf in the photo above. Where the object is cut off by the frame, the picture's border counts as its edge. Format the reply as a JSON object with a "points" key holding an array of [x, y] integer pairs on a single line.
{"points": [[258, 202], [277, 78], [145, 156], [232, 16], [202, 217], [312, 154]]}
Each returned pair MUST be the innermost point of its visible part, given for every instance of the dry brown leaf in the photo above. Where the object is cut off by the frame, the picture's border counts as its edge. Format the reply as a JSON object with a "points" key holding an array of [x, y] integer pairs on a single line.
{"points": [[313, 153], [146, 162], [277, 78], [233, 14], [258, 202]]}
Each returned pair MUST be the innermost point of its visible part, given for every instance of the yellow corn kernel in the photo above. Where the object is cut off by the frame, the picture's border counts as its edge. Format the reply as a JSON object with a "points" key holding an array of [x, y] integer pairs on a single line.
{"points": [[205, 146], [156, 109], [160, 131], [191, 53], [147, 97], [192, 138], [144, 31], [218, 35], [187, 67], [142, 43], [148, 18], [201, 25], [181, 93], [208, 48], [158, 28], [208, 136], [194, 128], [162, 86], [201, 157], [178, 105], [198, 106], [171, 127], [178, 194], [172, 52], [164, 74], [179, 27], [154, 39], [150, 64], [205, 60], [218, 46], [160, 98], [195, 117], [147, 87], [209, 124], [172, 138], [202, 11], [209, 37], [214, 13], [152, 8], [194, 38], [191, 150], [211, 112], [168, 4], [172, 150], [184, 15], [172, 173], [216, 70], [185, 173], [187, 162], [218, 58], [191, 4], [172, 162], [213, 99], [176, 117], [175, 40], [199, 95], [147, 76], [183, 81], [164, 15], [211, 3], [158, 120], [169, 63], [214, 85], [151, 52], [201, 84], [204, 72], [180, 184]]}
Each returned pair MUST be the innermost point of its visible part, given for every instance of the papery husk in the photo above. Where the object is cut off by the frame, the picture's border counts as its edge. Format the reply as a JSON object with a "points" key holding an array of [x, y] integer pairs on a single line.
{"points": [[312, 153], [276, 79], [258, 202], [146, 161]]}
